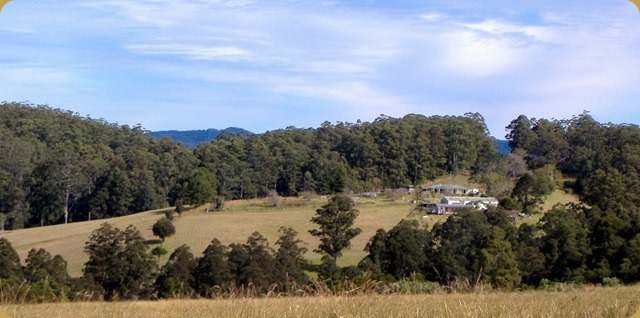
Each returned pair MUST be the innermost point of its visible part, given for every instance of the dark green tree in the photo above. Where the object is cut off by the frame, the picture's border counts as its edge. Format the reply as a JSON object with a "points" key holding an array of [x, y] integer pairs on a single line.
{"points": [[48, 274], [119, 262], [376, 259], [9, 261], [407, 250], [531, 261], [238, 259], [565, 244], [335, 221], [200, 188], [258, 269], [499, 262], [473, 246], [520, 135], [212, 273], [163, 228], [459, 242], [176, 276], [289, 260], [531, 190]]}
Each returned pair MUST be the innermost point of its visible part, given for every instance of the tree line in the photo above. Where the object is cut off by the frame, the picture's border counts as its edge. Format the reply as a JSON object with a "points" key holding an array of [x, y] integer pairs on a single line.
{"points": [[59, 167], [120, 266], [470, 249]]}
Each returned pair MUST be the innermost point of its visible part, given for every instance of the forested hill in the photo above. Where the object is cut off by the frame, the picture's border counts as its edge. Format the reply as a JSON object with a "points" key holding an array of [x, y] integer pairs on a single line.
{"points": [[59, 167], [192, 138], [601, 239]]}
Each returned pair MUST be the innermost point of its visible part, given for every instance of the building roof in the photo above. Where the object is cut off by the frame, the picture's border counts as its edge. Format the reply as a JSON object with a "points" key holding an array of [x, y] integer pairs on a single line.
{"points": [[471, 199], [447, 187]]}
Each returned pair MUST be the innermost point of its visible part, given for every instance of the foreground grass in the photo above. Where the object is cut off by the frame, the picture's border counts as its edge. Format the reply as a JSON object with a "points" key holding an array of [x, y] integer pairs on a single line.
{"points": [[588, 302]]}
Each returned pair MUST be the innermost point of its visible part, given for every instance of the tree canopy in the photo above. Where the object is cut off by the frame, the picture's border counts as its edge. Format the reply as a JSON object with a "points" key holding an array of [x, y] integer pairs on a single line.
{"points": [[60, 167]]}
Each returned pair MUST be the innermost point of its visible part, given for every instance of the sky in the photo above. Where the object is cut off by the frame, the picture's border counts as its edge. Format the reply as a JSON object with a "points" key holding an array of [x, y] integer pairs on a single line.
{"points": [[265, 65]]}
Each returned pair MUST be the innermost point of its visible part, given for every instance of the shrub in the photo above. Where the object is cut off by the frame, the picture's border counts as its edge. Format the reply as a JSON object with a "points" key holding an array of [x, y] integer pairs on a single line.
{"points": [[611, 282], [274, 198], [415, 287]]}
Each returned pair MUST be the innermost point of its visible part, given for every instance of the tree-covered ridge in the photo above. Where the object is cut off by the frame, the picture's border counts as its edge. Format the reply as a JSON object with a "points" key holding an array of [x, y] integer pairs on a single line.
{"points": [[59, 167], [601, 237], [192, 138], [387, 153]]}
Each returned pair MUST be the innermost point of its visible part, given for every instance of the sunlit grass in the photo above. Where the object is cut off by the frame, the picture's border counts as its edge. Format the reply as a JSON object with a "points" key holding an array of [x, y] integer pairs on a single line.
{"points": [[197, 228], [239, 219], [587, 302]]}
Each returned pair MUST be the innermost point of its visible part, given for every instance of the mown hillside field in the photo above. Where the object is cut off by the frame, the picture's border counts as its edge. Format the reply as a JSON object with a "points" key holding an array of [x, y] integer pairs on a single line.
{"points": [[197, 228]]}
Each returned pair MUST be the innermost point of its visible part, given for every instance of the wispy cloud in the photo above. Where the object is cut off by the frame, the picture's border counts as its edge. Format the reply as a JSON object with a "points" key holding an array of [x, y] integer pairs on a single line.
{"points": [[191, 51]]}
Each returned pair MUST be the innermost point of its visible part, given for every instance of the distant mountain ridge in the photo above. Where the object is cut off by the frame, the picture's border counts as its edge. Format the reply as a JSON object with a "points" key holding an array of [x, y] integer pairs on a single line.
{"points": [[503, 147], [192, 138]]}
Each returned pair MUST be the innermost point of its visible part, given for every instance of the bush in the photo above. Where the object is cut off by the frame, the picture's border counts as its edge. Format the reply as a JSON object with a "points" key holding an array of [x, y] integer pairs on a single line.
{"points": [[274, 198], [546, 284], [219, 204], [611, 282], [415, 287], [159, 251], [179, 207]]}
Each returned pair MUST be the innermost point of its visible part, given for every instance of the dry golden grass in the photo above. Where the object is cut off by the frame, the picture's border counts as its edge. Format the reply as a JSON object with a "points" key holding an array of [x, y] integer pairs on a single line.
{"points": [[69, 240], [588, 302], [197, 228]]}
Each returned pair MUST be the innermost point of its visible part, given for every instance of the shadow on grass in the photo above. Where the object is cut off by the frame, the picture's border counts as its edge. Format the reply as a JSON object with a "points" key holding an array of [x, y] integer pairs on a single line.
{"points": [[153, 241], [162, 211]]}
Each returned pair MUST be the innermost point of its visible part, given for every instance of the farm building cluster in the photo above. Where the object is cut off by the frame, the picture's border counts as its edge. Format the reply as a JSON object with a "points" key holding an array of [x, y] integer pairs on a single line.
{"points": [[456, 197]]}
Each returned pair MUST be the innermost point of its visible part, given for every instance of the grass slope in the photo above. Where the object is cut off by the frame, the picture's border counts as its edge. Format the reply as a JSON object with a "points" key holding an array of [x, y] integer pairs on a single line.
{"points": [[197, 228], [240, 218]]}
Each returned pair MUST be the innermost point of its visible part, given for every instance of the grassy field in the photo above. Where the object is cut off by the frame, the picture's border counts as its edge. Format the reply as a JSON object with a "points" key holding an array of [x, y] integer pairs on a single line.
{"points": [[197, 228], [587, 302]]}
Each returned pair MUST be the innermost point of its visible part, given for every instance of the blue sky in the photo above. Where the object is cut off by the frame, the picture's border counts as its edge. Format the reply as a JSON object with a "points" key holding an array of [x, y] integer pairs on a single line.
{"points": [[265, 65]]}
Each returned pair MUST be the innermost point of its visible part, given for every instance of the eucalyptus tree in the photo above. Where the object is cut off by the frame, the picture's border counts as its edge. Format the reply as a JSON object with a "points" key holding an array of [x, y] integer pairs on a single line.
{"points": [[335, 221]]}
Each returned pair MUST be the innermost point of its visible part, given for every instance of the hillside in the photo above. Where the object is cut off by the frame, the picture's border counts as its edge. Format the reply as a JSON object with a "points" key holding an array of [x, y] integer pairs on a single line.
{"points": [[192, 138], [60, 167], [197, 228], [240, 218]]}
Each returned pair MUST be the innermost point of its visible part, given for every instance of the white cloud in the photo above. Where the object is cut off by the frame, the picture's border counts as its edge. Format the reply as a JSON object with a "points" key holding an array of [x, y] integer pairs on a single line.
{"points": [[354, 99], [501, 28], [432, 16], [192, 51], [470, 55]]}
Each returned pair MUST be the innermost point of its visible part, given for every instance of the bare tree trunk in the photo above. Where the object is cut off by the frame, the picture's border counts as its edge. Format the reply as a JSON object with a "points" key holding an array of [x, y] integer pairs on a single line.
{"points": [[65, 208]]}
